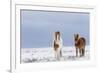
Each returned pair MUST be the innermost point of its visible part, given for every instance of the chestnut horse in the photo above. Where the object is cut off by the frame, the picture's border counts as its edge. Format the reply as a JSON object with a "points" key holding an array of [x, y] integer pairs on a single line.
{"points": [[80, 43], [57, 45]]}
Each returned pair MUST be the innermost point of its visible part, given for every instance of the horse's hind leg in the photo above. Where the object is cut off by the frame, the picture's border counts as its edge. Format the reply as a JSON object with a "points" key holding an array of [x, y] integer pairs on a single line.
{"points": [[83, 52]]}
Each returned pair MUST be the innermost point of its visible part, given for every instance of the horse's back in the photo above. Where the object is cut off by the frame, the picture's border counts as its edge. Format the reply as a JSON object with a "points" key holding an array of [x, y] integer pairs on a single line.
{"points": [[82, 42]]}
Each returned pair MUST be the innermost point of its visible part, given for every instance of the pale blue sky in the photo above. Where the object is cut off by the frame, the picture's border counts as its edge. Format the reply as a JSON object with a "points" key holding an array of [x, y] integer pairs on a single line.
{"points": [[38, 27]]}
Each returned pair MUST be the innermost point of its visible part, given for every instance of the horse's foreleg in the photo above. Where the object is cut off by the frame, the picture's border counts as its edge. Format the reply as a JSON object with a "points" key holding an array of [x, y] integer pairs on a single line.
{"points": [[60, 53], [80, 51], [76, 52], [58, 56], [55, 54]]}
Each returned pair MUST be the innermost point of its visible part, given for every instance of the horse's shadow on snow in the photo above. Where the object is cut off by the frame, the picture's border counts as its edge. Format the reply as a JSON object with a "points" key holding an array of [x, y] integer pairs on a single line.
{"points": [[70, 58]]}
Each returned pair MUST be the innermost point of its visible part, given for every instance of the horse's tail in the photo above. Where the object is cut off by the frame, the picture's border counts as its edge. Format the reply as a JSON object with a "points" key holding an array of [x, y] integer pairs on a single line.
{"points": [[84, 44]]}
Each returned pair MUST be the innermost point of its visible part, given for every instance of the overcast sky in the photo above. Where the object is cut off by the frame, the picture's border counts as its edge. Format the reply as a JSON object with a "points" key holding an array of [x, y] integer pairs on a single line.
{"points": [[38, 27]]}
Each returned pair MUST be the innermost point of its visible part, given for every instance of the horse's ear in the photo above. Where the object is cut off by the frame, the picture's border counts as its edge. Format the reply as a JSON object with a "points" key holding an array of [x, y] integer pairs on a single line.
{"points": [[78, 35]]}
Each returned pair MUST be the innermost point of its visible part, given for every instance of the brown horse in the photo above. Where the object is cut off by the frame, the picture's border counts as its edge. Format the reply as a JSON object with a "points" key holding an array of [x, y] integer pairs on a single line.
{"points": [[80, 43]]}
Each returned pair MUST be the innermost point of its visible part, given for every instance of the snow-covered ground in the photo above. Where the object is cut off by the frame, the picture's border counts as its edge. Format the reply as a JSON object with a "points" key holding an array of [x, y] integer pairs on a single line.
{"points": [[29, 55]]}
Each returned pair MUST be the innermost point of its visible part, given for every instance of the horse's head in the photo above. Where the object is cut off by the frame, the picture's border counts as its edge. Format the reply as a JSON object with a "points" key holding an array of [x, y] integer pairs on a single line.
{"points": [[76, 37], [57, 35]]}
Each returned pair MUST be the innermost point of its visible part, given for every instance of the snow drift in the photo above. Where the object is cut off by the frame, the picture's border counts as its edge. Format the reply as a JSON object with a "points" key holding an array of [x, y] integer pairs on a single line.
{"points": [[29, 55]]}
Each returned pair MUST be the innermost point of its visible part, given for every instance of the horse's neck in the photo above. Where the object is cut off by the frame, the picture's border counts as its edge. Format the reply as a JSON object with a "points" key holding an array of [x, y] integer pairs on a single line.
{"points": [[58, 40], [77, 40]]}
